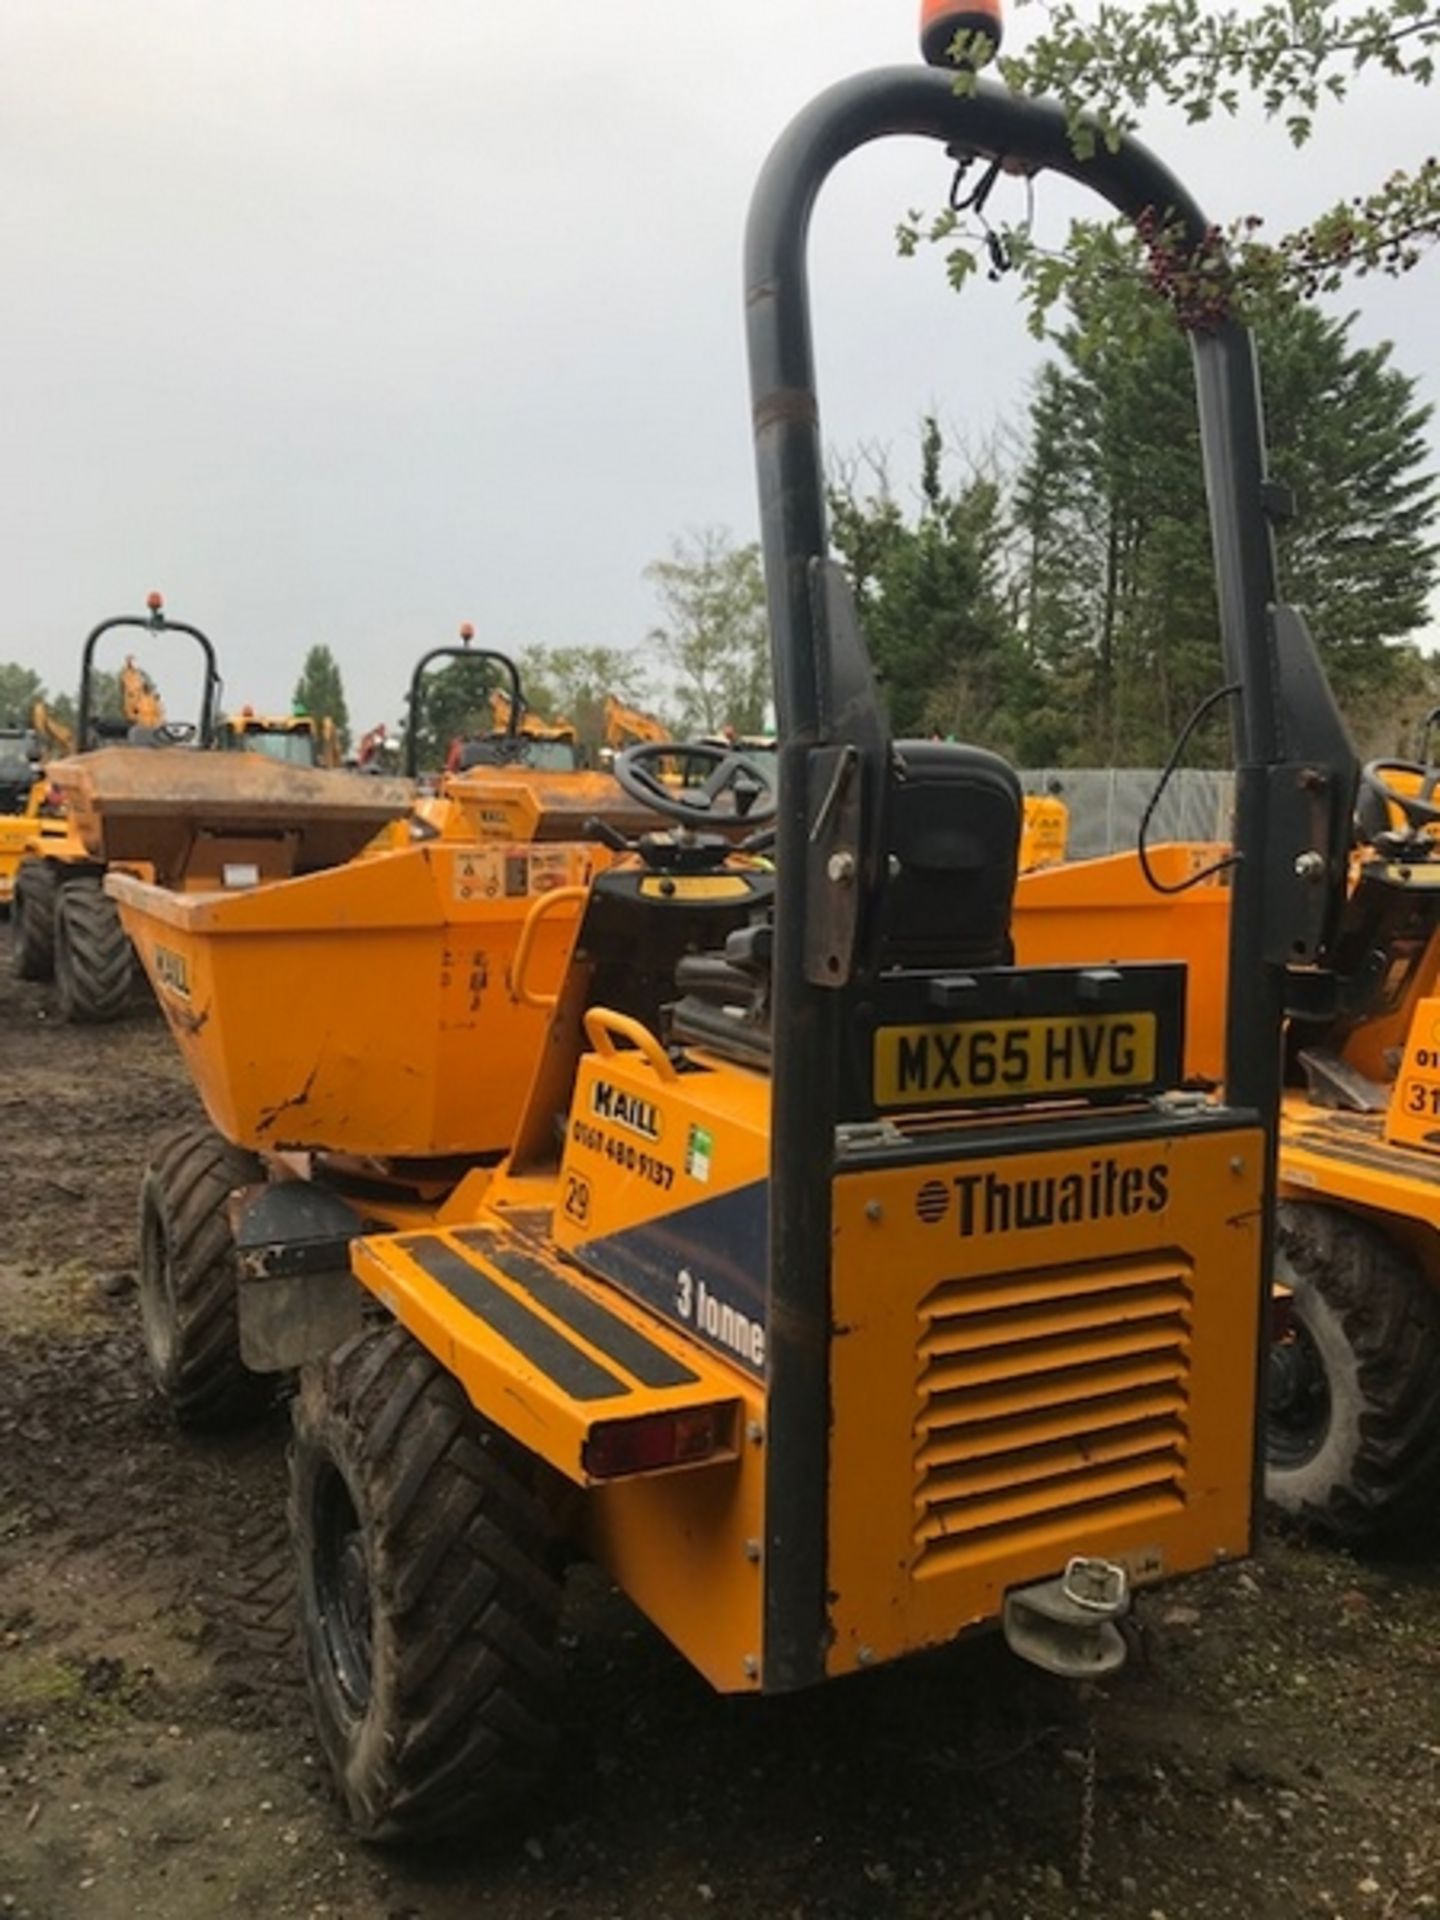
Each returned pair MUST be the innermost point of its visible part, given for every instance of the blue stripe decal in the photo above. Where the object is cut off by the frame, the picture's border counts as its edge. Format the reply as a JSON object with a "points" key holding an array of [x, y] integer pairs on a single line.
{"points": [[703, 1269]]}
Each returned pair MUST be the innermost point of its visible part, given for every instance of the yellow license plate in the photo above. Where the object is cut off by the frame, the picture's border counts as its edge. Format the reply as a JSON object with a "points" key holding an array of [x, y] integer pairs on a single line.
{"points": [[1014, 1059]]}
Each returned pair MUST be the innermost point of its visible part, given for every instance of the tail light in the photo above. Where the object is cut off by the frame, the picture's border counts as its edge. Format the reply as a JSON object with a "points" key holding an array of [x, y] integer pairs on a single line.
{"points": [[657, 1441]]}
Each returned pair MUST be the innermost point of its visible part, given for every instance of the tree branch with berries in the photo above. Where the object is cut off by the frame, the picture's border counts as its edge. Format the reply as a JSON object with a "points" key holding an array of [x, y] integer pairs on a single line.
{"points": [[1292, 58]]}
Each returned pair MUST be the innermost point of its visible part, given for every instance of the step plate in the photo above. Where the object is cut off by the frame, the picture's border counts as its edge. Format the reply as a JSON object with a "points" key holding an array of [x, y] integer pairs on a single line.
{"points": [[543, 1351]]}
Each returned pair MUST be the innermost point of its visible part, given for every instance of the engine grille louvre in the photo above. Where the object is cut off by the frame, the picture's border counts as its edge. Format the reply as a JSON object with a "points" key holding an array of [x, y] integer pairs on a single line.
{"points": [[1047, 1398]]}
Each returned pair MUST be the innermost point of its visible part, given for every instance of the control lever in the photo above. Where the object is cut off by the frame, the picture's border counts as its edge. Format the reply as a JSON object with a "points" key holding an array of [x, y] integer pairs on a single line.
{"points": [[596, 829]]}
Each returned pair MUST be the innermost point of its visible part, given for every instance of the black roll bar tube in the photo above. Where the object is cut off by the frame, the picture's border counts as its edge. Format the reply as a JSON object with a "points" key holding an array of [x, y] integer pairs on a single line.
{"points": [[155, 621], [412, 700], [1031, 137]]}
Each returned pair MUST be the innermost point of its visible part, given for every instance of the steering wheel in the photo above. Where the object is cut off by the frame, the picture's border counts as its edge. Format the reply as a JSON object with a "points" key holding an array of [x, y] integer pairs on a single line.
{"points": [[1420, 809], [752, 791], [175, 733]]}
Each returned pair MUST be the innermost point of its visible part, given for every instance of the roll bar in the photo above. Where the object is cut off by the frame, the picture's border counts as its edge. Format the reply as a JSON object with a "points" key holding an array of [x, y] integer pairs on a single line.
{"points": [[155, 620], [1295, 778], [463, 652]]}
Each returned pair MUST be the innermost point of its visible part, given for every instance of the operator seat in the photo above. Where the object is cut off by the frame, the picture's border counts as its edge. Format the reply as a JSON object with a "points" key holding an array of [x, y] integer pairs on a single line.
{"points": [[951, 820], [950, 824]]}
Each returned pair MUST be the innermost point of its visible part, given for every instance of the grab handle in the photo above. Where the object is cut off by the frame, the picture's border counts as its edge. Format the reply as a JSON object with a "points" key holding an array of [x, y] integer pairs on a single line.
{"points": [[520, 963], [603, 1028]]}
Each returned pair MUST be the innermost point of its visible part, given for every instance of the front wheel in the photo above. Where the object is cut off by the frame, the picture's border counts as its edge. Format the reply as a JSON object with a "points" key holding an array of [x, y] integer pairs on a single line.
{"points": [[429, 1593], [1352, 1438], [188, 1279], [93, 967], [32, 920]]}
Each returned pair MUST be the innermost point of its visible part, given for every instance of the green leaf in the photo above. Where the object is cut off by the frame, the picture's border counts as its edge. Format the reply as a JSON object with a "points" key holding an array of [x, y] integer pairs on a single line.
{"points": [[960, 264]]}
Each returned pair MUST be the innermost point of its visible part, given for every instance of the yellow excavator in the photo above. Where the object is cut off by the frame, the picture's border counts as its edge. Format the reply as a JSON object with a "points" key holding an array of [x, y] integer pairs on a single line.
{"points": [[55, 736], [296, 739], [629, 727], [550, 744], [140, 702]]}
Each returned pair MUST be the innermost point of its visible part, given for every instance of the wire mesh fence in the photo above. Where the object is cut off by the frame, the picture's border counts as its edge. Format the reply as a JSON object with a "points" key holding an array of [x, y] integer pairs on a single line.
{"points": [[1106, 805]]}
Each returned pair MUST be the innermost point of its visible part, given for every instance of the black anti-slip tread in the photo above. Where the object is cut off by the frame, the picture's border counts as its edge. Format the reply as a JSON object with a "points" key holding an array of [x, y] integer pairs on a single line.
{"points": [[581, 1312], [539, 1343]]}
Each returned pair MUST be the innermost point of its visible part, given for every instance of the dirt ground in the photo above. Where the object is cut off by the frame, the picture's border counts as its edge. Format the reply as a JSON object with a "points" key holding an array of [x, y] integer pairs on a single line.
{"points": [[1273, 1749]]}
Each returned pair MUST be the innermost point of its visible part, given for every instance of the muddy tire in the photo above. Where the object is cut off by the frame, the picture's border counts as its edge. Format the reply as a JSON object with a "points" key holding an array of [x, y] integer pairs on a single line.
{"points": [[93, 965], [32, 921], [1353, 1417], [429, 1591], [188, 1278]]}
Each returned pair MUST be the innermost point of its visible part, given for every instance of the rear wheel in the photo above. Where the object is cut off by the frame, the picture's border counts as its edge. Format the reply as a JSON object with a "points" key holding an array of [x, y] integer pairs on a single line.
{"points": [[188, 1278], [32, 920], [429, 1593], [93, 967], [1353, 1404]]}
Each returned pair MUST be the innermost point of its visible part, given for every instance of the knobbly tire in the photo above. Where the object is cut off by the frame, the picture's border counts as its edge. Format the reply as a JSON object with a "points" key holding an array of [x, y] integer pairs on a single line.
{"points": [[93, 965], [188, 1278], [429, 1592], [32, 920], [1353, 1417]]}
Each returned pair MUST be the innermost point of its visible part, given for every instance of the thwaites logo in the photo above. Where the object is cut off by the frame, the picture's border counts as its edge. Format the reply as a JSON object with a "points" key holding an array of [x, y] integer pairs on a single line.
{"points": [[987, 1203], [627, 1110], [172, 971]]}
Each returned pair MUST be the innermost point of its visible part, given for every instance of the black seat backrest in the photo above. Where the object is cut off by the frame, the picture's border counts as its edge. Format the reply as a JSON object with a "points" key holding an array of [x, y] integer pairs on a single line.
{"points": [[951, 822]]}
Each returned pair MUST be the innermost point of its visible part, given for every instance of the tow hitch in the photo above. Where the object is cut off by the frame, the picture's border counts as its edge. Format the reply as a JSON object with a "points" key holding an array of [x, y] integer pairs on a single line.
{"points": [[1067, 1626]]}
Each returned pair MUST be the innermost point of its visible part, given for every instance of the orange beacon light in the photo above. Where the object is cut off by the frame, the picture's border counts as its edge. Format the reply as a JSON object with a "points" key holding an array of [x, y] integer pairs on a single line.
{"points": [[941, 21]]}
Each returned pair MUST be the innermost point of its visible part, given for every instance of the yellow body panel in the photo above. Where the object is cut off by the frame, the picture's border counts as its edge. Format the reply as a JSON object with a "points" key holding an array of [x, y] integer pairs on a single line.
{"points": [[367, 1007], [683, 1544], [1104, 912], [14, 832], [1413, 1118], [1037, 1356], [685, 1547], [674, 1151], [523, 803], [662, 1192], [25, 837], [640, 1145], [552, 1397], [1382, 1164], [30, 832], [55, 838], [1347, 1158]]}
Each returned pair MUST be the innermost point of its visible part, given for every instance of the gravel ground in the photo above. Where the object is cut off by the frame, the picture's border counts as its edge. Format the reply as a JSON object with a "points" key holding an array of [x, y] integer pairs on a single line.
{"points": [[1272, 1750]]}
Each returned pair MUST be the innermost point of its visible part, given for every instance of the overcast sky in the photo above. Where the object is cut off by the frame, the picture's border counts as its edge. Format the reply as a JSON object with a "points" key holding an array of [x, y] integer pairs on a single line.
{"points": [[348, 321]]}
